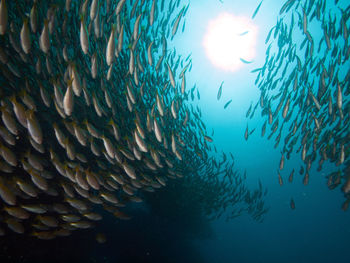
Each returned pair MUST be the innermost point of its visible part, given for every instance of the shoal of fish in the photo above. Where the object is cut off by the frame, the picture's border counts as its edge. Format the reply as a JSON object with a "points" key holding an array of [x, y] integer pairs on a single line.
{"points": [[94, 113], [305, 84]]}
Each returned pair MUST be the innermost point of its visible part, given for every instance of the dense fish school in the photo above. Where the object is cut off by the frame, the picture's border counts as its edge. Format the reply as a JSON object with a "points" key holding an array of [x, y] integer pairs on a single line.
{"points": [[94, 112], [305, 84]]}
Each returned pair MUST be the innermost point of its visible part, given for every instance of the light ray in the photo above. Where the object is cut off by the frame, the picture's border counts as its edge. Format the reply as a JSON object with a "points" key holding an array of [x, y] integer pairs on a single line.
{"points": [[230, 40]]}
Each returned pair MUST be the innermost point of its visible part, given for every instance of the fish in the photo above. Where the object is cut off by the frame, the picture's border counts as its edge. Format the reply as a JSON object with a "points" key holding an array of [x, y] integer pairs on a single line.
{"points": [[246, 133], [245, 61], [3, 17], [249, 110], [151, 17], [171, 76], [282, 162], [177, 21], [290, 178], [306, 95], [149, 54], [6, 194], [263, 130], [244, 33], [208, 138], [280, 180], [110, 50], [25, 36], [84, 37], [292, 204], [227, 103], [119, 6], [256, 10], [219, 91], [45, 38], [256, 70], [92, 118]]}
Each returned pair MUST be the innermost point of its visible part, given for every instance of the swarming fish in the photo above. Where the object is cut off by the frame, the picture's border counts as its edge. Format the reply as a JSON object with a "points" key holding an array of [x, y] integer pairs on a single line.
{"points": [[92, 116], [296, 74]]}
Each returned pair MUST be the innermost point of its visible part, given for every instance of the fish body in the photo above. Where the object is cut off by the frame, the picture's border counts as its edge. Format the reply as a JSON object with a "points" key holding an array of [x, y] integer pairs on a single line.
{"points": [[3, 17], [133, 130], [110, 50], [84, 37], [227, 103], [219, 91], [25, 37], [292, 204], [256, 10], [44, 40]]}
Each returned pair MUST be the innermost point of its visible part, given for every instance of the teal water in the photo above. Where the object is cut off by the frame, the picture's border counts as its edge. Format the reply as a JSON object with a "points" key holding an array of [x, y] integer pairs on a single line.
{"points": [[317, 230]]}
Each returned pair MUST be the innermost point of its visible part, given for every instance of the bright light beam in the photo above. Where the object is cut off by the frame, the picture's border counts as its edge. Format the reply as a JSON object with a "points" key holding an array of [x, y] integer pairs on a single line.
{"points": [[230, 41]]}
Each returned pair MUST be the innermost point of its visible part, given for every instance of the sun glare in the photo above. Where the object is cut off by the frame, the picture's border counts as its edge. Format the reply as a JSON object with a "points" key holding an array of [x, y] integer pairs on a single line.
{"points": [[230, 41]]}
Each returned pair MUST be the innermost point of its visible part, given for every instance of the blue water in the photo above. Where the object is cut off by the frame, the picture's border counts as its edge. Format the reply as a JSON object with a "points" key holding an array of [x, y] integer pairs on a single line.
{"points": [[317, 230]]}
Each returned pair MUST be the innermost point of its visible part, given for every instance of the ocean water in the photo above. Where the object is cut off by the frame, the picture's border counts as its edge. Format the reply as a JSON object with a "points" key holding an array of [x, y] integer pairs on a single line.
{"points": [[161, 230]]}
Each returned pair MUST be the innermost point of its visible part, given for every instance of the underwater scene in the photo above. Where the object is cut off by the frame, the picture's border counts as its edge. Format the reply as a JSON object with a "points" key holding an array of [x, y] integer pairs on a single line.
{"points": [[199, 131]]}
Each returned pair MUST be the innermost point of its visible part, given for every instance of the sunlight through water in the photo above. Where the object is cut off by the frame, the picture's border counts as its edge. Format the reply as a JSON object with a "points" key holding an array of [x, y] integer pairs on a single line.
{"points": [[230, 41]]}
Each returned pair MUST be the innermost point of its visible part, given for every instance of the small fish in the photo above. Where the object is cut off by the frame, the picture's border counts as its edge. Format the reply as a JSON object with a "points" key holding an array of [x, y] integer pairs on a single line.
{"points": [[245, 61], [34, 18], [290, 179], [3, 17], [282, 162], [119, 6], [136, 27], [25, 37], [44, 40], [84, 37], [151, 17], [256, 10], [207, 138], [34, 127], [246, 134], [256, 70], [292, 204], [306, 178], [280, 180], [93, 9], [129, 170], [249, 110], [68, 100], [6, 194], [263, 129], [227, 103], [108, 146], [149, 54], [219, 91], [129, 132], [176, 24], [110, 50], [171, 76], [244, 33]]}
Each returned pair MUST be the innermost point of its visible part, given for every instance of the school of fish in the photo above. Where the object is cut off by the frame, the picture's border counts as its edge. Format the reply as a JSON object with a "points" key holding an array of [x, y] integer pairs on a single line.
{"points": [[305, 86], [94, 112]]}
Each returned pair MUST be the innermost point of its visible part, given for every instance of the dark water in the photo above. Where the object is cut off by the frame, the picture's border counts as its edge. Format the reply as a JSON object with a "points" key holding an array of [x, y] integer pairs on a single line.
{"points": [[318, 230], [145, 238]]}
